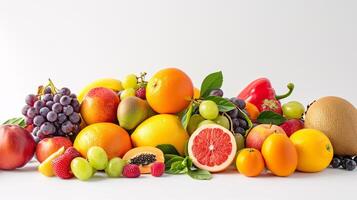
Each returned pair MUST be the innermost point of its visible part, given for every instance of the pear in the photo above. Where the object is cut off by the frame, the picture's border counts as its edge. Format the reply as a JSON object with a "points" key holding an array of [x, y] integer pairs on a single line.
{"points": [[132, 111], [337, 118]]}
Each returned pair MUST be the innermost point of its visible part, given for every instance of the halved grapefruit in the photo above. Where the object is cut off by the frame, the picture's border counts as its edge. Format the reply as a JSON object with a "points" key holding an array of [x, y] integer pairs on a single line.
{"points": [[212, 147]]}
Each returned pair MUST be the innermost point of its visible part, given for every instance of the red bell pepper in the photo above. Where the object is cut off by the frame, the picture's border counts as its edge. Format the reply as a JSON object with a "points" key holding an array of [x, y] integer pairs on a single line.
{"points": [[261, 93]]}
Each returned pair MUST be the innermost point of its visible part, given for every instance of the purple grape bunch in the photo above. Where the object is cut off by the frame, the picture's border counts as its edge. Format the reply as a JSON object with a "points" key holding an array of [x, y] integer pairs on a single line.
{"points": [[53, 113]]}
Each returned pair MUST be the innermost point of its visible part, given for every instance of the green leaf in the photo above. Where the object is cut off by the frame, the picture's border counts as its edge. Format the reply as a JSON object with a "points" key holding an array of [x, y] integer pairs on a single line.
{"points": [[200, 174], [177, 167], [170, 156], [168, 149], [187, 116], [211, 82], [20, 121], [223, 104], [168, 164], [270, 117]]}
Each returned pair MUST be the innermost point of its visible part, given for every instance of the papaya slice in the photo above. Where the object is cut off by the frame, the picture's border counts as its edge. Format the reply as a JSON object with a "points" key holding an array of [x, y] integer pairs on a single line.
{"points": [[144, 157]]}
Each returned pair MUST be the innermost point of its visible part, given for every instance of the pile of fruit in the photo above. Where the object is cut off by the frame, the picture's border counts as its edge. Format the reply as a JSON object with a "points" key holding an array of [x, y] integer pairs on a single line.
{"points": [[167, 126]]}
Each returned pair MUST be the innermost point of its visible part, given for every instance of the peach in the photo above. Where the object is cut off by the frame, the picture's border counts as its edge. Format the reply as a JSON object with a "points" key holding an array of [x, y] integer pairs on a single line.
{"points": [[258, 134], [100, 105]]}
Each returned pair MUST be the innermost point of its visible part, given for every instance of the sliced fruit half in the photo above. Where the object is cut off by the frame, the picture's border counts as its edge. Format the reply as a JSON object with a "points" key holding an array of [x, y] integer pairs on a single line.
{"points": [[212, 147], [46, 166], [144, 157]]}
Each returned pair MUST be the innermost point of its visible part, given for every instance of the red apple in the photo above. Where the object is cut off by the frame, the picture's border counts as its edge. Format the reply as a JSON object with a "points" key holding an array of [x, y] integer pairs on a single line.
{"points": [[258, 134], [17, 147], [48, 146], [292, 125]]}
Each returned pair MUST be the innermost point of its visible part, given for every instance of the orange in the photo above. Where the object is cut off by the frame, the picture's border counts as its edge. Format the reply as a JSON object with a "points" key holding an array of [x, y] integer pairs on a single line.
{"points": [[250, 162], [169, 91], [111, 137], [280, 154], [253, 111]]}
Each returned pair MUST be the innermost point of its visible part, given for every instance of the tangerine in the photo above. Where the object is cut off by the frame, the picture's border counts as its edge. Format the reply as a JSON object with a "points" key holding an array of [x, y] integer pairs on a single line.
{"points": [[169, 91], [250, 162]]}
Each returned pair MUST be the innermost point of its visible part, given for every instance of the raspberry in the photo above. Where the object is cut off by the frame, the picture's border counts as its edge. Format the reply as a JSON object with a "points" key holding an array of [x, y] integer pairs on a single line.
{"points": [[62, 166], [141, 93], [157, 169], [131, 171]]}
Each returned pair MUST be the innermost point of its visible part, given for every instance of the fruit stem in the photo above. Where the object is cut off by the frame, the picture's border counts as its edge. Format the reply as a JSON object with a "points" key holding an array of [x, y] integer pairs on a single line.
{"points": [[230, 122], [290, 86]]}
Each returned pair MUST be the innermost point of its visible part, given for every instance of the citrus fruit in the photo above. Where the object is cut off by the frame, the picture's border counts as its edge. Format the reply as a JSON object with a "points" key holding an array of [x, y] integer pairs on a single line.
{"points": [[314, 150], [160, 129], [169, 91], [212, 147], [280, 154], [253, 111], [111, 137], [250, 162]]}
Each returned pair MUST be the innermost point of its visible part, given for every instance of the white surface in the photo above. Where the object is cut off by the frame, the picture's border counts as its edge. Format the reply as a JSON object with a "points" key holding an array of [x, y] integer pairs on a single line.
{"points": [[311, 43]]}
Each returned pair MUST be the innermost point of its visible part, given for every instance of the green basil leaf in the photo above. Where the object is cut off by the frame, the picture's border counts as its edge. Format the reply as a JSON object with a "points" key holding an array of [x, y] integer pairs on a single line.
{"points": [[223, 104], [168, 149], [270, 117], [200, 174], [20, 121], [168, 164], [211, 82], [187, 116], [177, 167], [170, 156]]}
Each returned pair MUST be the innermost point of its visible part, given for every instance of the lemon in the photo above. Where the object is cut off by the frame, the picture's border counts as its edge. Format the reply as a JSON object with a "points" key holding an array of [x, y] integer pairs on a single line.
{"points": [[161, 129], [315, 150]]}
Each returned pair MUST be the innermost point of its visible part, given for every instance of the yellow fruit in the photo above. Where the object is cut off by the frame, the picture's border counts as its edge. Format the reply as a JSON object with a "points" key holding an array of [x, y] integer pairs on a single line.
{"points": [[314, 150], [46, 166], [161, 129], [109, 83]]}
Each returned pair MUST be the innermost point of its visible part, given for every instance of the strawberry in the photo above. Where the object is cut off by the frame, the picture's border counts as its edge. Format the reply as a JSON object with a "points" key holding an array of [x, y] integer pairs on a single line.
{"points": [[62, 165], [141, 93], [131, 171], [157, 169], [72, 152]]}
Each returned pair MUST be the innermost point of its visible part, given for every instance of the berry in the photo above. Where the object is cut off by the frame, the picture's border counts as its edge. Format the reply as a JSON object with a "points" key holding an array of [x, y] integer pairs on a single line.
{"points": [[335, 163], [130, 92], [216, 92], [25, 109], [97, 158], [130, 81], [62, 166], [141, 93], [293, 110], [238, 102], [157, 169], [30, 99], [350, 165], [81, 169], [65, 91], [233, 113], [131, 171], [51, 116], [115, 167], [72, 152], [65, 100], [47, 90], [209, 109]]}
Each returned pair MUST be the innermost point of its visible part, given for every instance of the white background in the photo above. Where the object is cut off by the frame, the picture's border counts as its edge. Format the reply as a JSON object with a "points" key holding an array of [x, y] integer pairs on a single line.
{"points": [[311, 43]]}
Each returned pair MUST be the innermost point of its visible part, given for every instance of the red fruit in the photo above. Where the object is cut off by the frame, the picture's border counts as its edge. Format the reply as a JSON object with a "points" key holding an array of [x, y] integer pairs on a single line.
{"points": [[72, 152], [141, 93], [258, 134], [62, 165], [29, 128], [291, 126], [17, 147], [131, 171], [48, 146], [157, 169], [212, 147]]}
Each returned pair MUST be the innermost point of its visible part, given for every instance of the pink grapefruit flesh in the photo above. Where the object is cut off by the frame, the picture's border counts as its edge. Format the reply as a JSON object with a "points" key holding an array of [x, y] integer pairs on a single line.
{"points": [[212, 147]]}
